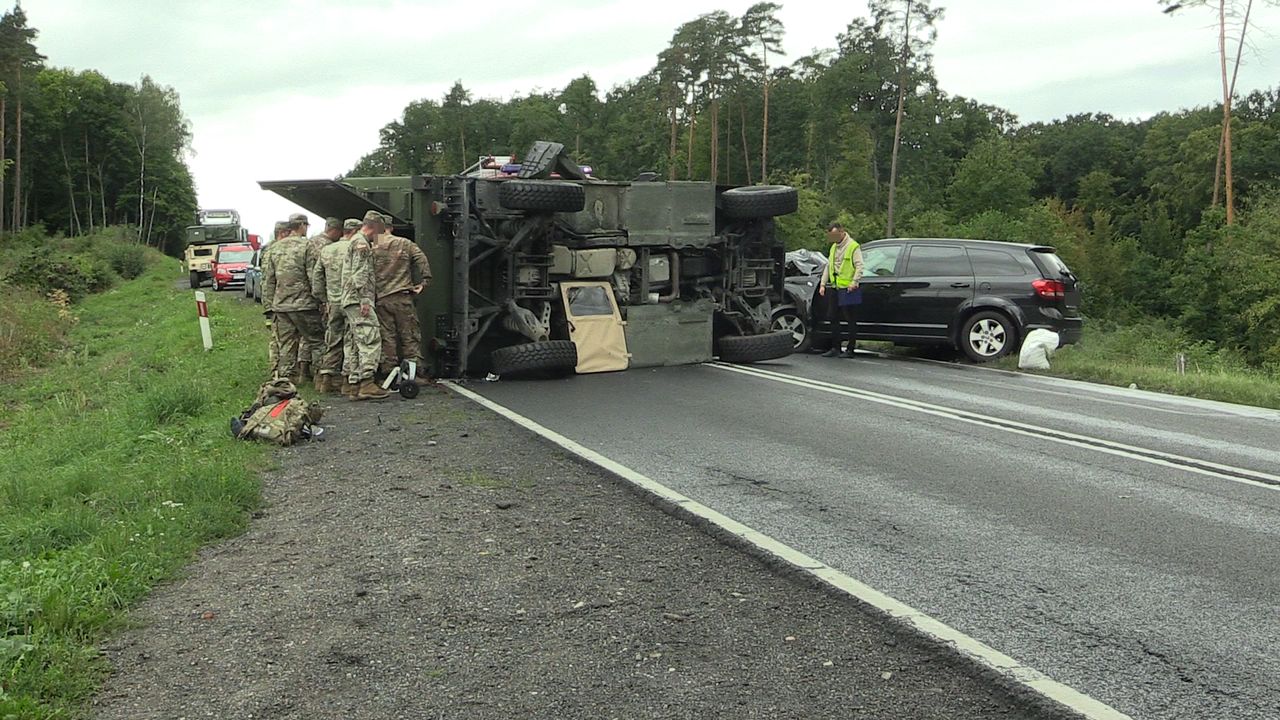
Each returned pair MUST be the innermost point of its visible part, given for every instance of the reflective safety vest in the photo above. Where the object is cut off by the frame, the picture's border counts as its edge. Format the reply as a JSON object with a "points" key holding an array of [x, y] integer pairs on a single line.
{"points": [[844, 276]]}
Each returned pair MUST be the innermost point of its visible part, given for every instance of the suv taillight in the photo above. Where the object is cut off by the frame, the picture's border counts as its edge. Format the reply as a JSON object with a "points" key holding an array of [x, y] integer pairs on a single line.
{"points": [[1050, 289]]}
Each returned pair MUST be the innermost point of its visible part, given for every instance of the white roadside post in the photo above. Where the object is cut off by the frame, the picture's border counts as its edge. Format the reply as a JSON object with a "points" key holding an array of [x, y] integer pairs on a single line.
{"points": [[202, 306]]}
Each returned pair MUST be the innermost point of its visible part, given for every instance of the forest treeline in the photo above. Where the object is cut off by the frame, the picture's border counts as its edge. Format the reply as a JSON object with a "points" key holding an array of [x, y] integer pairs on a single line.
{"points": [[1130, 204], [80, 152]]}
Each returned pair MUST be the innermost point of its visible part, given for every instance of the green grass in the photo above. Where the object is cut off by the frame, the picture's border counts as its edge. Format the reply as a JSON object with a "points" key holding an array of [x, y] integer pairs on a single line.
{"points": [[1146, 355], [117, 465]]}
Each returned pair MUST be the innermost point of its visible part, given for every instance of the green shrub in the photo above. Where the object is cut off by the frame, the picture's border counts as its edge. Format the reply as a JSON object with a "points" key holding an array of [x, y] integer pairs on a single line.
{"points": [[45, 271], [128, 261]]}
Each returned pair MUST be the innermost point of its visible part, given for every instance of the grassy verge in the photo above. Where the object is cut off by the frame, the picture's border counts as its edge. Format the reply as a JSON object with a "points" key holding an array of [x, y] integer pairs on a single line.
{"points": [[1146, 355], [117, 465]]}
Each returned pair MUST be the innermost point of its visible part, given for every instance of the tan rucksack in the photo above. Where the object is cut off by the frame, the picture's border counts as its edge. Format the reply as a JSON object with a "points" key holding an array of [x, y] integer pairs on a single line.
{"points": [[279, 415]]}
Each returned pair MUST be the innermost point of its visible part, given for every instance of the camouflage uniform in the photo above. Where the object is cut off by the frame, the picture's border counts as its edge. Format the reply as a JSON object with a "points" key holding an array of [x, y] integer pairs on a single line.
{"points": [[398, 262], [286, 292], [273, 348], [313, 346], [363, 346], [327, 283]]}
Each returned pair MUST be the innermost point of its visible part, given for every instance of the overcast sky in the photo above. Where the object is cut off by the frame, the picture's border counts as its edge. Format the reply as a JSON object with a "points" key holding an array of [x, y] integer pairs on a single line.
{"points": [[270, 86]]}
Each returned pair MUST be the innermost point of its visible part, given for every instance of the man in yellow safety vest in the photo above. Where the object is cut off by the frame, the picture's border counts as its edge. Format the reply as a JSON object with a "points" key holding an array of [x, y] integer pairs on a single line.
{"points": [[840, 288]]}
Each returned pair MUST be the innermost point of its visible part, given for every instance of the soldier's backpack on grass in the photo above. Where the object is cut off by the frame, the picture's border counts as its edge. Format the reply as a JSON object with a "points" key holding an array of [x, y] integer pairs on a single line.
{"points": [[279, 416]]}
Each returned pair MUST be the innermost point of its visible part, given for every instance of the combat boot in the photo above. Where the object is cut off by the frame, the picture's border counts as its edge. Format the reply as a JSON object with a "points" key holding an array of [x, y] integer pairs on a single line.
{"points": [[304, 370], [349, 389], [370, 390], [321, 384]]}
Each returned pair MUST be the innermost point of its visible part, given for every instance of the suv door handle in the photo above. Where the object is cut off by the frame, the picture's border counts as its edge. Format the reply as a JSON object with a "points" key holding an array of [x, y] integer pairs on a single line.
{"points": [[959, 285]]}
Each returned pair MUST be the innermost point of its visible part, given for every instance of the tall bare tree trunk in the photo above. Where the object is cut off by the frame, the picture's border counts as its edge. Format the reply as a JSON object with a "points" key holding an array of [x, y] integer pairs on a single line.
{"points": [[155, 193], [102, 189], [3, 139], [764, 132], [715, 139], [88, 182], [897, 123], [71, 189], [17, 221], [1235, 73], [808, 148], [693, 121], [1226, 109], [675, 131], [728, 145], [746, 149]]}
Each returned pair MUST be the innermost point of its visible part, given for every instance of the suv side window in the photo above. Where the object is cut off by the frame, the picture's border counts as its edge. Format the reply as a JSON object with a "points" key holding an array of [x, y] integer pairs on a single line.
{"points": [[937, 261], [881, 261], [995, 263]]}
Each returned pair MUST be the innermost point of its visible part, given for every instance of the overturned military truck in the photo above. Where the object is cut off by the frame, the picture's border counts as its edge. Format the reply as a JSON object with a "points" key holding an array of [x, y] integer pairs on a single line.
{"points": [[542, 268]]}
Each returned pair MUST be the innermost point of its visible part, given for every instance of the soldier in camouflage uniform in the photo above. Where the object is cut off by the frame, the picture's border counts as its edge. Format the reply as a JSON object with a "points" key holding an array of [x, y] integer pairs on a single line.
{"points": [[402, 273], [312, 352], [286, 293], [363, 344], [327, 283], [273, 349]]}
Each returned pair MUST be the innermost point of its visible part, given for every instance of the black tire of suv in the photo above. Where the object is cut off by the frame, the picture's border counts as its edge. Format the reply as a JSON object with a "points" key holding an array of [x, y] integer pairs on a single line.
{"points": [[537, 357], [1010, 335], [542, 195], [193, 279], [755, 348], [759, 201]]}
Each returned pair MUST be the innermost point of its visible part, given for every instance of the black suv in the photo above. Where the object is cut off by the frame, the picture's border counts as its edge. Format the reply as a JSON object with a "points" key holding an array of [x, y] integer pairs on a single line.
{"points": [[979, 296]]}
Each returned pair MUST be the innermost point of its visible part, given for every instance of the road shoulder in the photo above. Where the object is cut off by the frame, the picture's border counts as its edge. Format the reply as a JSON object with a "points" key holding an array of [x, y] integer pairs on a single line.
{"points": [[431, 559]]}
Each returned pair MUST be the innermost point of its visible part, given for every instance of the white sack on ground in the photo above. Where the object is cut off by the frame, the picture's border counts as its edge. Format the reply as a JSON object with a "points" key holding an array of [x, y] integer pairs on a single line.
{"points": [[1037, 349]]}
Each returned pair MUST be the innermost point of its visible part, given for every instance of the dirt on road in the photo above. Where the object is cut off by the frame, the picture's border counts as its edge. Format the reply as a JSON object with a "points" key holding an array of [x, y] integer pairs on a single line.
{"points": [[431, 560]]}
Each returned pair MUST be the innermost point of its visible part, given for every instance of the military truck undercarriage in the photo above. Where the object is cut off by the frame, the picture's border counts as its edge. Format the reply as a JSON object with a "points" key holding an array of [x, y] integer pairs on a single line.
{"points": [[546, 269]]}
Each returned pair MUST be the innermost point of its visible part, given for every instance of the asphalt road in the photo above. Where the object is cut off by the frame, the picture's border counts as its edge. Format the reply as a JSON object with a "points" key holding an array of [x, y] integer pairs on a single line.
{"points": [[1122, 542]]}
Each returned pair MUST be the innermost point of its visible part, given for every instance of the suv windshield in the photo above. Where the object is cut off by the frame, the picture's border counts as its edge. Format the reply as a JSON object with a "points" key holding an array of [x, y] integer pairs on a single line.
{"points": [[235, 256]]}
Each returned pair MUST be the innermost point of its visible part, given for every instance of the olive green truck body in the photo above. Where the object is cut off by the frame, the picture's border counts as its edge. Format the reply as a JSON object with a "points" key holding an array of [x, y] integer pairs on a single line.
{"points": [[694, 269]]}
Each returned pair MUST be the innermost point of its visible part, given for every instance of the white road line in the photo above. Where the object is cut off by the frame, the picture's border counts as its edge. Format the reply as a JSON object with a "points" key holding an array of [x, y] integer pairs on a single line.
{"points": [[1244, 476], [977, 651]]}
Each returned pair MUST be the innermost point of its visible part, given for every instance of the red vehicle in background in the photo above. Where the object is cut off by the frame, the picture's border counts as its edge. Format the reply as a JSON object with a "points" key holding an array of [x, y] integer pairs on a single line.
{"points": [[229, 263]]}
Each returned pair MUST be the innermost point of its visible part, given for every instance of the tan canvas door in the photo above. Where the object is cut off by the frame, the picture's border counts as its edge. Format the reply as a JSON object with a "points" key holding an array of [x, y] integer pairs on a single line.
{"points": [[595, 326]]}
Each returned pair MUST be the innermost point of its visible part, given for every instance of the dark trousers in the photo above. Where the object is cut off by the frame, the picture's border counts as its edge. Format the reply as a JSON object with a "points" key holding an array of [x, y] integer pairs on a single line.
{"points": [[846, 330]]}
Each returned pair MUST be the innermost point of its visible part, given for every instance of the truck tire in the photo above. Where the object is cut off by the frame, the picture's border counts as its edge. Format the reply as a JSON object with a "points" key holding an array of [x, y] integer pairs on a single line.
{"points": [[755, 348], [535, 357], [193, 279], [542, 195], [759, 201]]}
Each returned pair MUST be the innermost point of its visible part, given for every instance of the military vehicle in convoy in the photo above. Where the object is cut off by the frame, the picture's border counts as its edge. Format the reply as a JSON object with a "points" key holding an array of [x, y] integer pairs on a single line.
{"points": [[212, 228], [541, 267]]}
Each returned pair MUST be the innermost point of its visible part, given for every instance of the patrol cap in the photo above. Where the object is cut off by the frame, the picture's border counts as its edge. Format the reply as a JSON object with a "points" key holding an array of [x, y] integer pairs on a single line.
{"points": [[373, 216], [388, 220], [280, 225], [298, 218], [332, 223], [350, 224]]}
